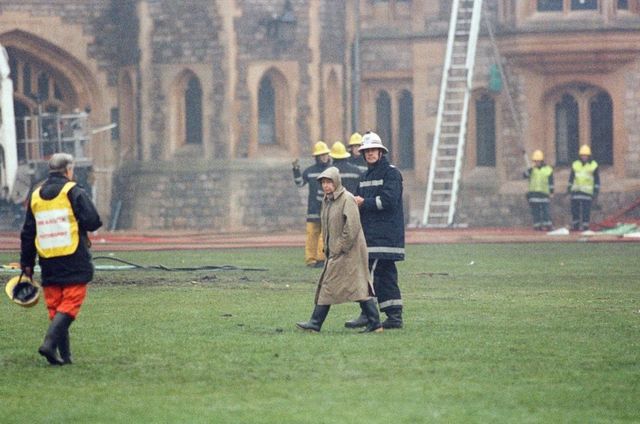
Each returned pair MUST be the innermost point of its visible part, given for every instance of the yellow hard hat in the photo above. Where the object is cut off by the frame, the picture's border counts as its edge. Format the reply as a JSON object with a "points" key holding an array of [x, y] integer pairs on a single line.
{"points": [[537, 155], [585, 150], [338, 151], [355, 139], [23, 290], [320, 148]]}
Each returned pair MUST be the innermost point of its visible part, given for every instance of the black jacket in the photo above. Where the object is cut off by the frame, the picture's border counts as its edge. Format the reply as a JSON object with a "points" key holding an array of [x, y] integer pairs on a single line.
{"points": [[71, 269], [359, 162], [349, 174], [314, 201], [382, 215]]}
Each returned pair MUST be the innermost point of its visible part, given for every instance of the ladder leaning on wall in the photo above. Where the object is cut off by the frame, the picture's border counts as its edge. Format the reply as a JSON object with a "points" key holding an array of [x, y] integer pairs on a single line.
{"points": [[449, 138]]}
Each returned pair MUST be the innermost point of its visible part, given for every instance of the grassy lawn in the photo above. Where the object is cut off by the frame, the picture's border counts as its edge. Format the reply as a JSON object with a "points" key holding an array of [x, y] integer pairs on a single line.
{"points": [[507, 333]]}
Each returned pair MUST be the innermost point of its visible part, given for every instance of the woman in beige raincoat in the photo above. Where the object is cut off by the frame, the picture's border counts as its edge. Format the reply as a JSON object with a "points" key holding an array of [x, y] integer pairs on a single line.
{"points": [[345, 277]]}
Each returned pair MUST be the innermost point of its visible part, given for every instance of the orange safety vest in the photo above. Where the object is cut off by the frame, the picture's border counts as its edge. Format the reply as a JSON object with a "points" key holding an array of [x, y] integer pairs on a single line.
{"points": [[57, 231]]}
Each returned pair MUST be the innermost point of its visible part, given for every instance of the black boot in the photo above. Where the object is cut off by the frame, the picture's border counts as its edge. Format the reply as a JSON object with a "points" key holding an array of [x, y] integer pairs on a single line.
{"points": [[394, 319], [361, 321], [317, 318], [370, 309], [64, 348], [59, 325]]}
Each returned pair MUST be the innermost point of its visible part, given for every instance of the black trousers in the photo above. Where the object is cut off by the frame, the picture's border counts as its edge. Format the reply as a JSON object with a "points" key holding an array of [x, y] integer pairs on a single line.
{"points": [[540, 213], [385, 283], [580, 213]]}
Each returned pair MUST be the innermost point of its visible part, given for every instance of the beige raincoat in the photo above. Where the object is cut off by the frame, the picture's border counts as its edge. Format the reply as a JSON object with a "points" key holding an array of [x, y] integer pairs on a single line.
{"points": [[345, 277]]}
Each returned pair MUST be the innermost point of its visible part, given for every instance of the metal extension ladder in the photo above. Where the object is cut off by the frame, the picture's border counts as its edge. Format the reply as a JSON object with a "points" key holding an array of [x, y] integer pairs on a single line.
{"points": [[449, 139]]}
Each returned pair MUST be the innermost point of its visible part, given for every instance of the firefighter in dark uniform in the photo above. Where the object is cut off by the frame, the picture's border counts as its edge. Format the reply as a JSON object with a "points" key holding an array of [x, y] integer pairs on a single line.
{"points": [[349, 174], [584, 186], [379, 198], [313, 255], [59, 216], [540, 177], [355, 141]]}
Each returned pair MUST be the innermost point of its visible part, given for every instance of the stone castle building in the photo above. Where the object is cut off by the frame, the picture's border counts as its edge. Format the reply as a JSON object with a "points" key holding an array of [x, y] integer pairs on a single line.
{"points": [[214, 98]]}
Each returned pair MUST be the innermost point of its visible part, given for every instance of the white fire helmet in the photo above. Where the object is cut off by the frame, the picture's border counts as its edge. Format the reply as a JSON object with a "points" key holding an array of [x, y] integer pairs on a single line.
{"points": [[372, 140]]}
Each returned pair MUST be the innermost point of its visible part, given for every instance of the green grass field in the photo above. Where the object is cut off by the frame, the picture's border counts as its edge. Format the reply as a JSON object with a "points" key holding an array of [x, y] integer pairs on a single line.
{"points": [[512, 333]]}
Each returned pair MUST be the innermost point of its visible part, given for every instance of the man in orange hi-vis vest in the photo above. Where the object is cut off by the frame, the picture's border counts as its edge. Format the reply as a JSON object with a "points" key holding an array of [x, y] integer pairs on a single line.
{"points": [[59, 216]]}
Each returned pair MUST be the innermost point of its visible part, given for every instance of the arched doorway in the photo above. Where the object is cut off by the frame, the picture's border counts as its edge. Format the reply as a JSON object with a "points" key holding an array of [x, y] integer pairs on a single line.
{"points": [[275, 129], [186, 116]]}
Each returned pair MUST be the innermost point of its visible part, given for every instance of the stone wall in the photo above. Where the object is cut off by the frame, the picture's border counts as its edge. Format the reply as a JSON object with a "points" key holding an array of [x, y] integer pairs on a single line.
{"points": [[219, 196]]}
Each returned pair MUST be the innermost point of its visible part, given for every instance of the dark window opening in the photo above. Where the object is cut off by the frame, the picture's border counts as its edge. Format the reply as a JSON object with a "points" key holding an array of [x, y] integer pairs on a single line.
{"points": [[567, 130], [601, 116], [405, 132], [266, 113], [486, 131], [26, 79], [43, 86], [21, 110], [193, 112], [550, 5], [57, 93], [623, 4], [584, 4], [383, 118]]}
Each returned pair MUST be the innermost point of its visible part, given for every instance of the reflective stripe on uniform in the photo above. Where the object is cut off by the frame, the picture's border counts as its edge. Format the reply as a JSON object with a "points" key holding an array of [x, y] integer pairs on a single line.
{"points": [[538, 200], [372, 183], [385, 249], [392, 302]]}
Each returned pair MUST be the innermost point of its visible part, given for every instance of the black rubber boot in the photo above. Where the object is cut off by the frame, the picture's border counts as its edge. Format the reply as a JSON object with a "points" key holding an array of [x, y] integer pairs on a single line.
{"points": [[394, 319], [317, 318], [359, 322], [59, 325], [64, 348], [370, 309]]}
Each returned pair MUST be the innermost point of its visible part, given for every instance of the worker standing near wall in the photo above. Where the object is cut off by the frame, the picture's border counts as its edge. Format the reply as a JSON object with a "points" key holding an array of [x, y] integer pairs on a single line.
{"points": [[584, 186], [540, 178], [313, 255]]}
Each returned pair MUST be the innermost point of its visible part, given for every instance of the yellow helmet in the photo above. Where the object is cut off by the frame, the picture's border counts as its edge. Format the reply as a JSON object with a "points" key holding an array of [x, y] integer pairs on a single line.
{"points": [[338, 151], [355, 139], [320, 148], [585, 150], [537, 155], [23, 290]]}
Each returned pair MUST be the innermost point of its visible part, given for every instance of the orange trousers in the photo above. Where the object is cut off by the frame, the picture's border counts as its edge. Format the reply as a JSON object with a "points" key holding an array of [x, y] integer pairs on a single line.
{"points": [[65, 299]]}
